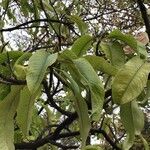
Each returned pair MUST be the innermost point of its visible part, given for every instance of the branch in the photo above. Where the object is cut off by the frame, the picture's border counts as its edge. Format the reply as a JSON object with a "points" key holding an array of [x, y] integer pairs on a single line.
{"points": [[33, 21], [144, 16], [12, 80]]}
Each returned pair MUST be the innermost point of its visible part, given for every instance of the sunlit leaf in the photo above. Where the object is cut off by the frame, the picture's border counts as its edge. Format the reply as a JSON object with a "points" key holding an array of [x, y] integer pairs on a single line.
{"points": [[133, 75], [38, 64], [7, 111], [24, 110], [93, 147]]}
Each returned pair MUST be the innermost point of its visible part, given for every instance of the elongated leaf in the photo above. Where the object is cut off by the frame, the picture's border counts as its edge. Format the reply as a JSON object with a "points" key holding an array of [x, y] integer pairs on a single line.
{"points": [[114, 53], [145, 143], [38, 64], [13, 55], [81, 108], [81, 45], [130, 114], [4, 90], [100, 64], [93, 147], [7, 111], [95, 85], [128, 39], [81, 24], [133, 75], [24, 110]]}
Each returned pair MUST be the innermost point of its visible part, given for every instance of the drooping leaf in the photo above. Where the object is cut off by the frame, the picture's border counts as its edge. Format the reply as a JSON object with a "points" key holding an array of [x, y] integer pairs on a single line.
{"points": [[7, 111], [95, 85], [100, 64], [133, 75], [38, 64], [24, 110], [81, 108], [130, 114], [4, 90], [128, 39], [114, 53], [81, 24], [81, 45]]}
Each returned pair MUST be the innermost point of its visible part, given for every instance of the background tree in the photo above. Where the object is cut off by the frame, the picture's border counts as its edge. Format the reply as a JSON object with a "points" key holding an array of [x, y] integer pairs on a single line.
{"points": [[68, 75]]}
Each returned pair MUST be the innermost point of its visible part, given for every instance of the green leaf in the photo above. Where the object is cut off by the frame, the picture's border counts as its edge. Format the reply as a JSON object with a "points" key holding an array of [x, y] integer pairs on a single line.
{"points": [[100, 64], [4, 90], [12, 55], [114, 53], [128, 142], [38, 64], [128, 39], [24, 110], [145, 143], [19, 68], [130, 114], [95, 85], [133, 75], [93, 147], [81, 24], [81, 45], [81, 108], [7, 111]]}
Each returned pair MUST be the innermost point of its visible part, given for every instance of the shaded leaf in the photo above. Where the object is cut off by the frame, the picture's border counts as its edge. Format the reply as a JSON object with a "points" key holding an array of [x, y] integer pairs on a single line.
{"points": [[100, 64], [81, 108], [95, 85], [128, 39], [130, 114], [114, 53], [81, 45], [81, 24], [133, 75]]}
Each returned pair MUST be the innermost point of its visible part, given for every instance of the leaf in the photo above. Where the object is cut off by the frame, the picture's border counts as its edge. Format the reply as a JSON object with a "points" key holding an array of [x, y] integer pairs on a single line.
{"points": [[24, 110], [93, 147], [81, 24], [81, 108], [128, 142], [95, 85], [81, 45], [145, 143], [114, 53], [100, 64], [128, 39], [130, 114], [13, 55], [38, 64], [4, 90], [133, 75], [7, 111]]}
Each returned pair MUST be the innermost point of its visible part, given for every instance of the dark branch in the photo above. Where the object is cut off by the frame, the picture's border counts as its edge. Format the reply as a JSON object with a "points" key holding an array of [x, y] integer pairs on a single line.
{"points": [[144, 16], [33, 21]]}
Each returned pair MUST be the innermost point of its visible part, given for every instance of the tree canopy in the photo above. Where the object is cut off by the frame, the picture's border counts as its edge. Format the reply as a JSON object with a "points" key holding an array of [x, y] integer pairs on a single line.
{"points": [[74, 74]]}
